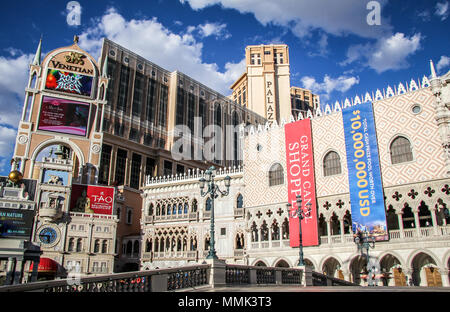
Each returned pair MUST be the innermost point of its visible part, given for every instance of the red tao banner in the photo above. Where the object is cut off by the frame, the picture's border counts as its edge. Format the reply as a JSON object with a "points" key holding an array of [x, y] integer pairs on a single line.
{"points": [[300, 174], [92, 199]]}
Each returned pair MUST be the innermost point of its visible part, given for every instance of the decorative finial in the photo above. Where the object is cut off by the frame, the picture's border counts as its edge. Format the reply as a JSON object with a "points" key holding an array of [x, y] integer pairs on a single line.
{"points": [[37, 56], [76, 39], [433, 71]]}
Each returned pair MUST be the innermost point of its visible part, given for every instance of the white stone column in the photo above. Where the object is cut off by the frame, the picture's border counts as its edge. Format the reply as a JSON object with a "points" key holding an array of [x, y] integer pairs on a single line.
{"points": [[329, 231], [416, 220], [400, 224], [341, 224], [434, 220]]}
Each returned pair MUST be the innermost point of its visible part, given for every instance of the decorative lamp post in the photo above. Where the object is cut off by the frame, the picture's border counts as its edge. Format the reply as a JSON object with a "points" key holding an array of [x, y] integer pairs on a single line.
{"points": [[301, 214], [214, 191], [364, 242]]}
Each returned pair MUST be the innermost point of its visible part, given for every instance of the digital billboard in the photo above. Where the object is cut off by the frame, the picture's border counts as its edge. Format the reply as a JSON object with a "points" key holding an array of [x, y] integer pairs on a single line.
{"points": [[366, 192], [67, 82], [16, 223], [92, 199], [301, 181], [63, 116]]}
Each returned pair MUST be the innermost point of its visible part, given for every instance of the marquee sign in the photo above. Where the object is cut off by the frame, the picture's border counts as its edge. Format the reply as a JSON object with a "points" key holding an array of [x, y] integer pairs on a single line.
{"points": [[270, 98], [68, 82], [301, 181], [72, 61], [92, 199], [16, 223], [63, 116], [366, 192]]}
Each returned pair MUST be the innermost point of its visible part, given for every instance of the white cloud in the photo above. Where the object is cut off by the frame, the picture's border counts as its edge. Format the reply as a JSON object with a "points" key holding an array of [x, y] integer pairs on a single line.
{"points": [[443, 63], [150, 39], [389, 53], [339, 18], [214, 29], [7, 139], [14, 73], [341, 84], [442, 10]]}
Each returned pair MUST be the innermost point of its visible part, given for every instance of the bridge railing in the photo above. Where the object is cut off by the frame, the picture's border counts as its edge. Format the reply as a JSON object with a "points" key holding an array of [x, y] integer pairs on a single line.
{"points": [[213, 274], [319, 279], [242, 274], [140, 281]]}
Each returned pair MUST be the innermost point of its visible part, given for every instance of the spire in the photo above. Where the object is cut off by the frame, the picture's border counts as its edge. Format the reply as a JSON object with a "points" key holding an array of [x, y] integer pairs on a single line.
{"points": [[105, 68], [37, 56], [433, 72]]}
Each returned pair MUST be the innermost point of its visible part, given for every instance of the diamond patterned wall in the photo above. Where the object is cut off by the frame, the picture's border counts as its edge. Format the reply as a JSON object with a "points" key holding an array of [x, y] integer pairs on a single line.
{"points": [[393, 117]]}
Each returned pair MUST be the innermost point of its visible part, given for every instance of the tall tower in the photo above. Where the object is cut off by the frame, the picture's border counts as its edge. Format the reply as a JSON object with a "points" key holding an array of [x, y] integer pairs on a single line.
{"points": [[442, 106], [265, 87]]}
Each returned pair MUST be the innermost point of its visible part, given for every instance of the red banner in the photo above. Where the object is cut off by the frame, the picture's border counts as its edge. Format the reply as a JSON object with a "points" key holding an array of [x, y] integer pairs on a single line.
{"points": [[92, 199], [300, 174]]}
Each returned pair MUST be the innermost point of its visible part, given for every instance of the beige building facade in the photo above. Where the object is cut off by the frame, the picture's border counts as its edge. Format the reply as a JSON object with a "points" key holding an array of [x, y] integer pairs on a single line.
{"points": [[265, 87], [413, 156]]}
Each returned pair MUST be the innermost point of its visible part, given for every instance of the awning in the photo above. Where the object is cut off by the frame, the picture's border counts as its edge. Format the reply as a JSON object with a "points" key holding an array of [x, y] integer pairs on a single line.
{"points": [[46, 265]]}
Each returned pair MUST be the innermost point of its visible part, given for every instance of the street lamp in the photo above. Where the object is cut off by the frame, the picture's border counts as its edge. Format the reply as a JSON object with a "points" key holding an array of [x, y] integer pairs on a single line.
{"points": [[301, 214], [214, 191], [364, 241]]}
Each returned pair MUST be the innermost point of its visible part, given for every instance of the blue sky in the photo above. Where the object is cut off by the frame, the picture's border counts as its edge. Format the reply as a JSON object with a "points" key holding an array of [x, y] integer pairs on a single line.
{"points": [[333, 50]]}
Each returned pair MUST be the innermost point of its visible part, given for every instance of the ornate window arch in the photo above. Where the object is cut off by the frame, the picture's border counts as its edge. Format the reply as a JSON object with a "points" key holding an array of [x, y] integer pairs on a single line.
{"points": [[331, 164], [240, 201], [194, 205], [400, 150], [150, 209], [105, 246], [276, 174]]}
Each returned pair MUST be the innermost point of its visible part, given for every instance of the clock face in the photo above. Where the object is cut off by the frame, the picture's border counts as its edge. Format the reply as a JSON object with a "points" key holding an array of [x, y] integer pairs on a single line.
{"points": [[47, 235]]}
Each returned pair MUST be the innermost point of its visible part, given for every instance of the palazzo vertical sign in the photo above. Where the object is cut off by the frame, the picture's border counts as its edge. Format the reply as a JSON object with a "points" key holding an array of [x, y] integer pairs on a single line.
{"points": [[300, 177], [366, 192], [270, 98]]}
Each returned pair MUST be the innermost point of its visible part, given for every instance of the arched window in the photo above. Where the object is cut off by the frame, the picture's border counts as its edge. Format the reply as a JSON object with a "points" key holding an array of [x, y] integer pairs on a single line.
{"points": [[331, 164], [129, 216], [239, 201], [158, 210], [96, 246], [276, 175], [129, 248], [136, 248], [218, 115], [180, 208], [401, 150], [169, 209], [105, 246], [79, 245], [148, 245], [194, 205], [186, 208], [71, 244], [150, 210], [208, 204]]}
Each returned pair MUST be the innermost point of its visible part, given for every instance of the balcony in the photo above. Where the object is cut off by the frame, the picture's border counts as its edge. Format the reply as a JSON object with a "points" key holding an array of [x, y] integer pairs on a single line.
{"points": [[238, 212], [170, 255], [239, 253], [191, 216]]}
